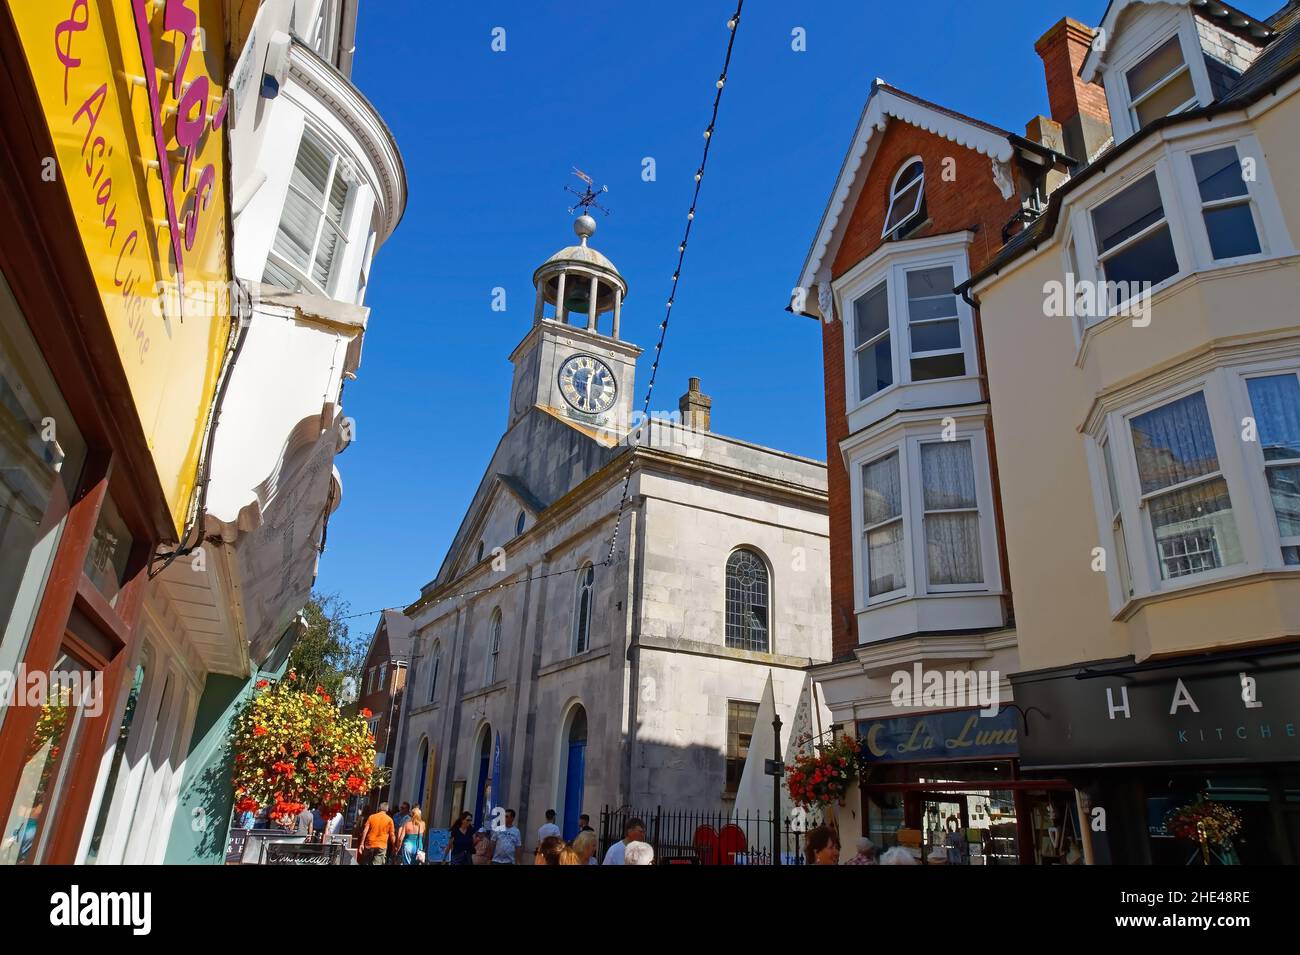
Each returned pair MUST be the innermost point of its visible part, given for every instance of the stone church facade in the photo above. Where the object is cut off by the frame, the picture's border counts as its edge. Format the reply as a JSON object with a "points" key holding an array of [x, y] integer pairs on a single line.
{"points": [[551, 671]]}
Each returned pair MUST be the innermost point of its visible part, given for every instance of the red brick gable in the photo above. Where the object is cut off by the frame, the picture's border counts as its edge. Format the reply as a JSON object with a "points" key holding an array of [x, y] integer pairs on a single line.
{"points": [[971, 200]]}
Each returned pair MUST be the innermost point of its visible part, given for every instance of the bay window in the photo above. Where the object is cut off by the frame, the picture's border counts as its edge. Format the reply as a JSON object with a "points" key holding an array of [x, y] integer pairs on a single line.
{"points": [[1134, 243], [312, 234], [875, 362], [909, 329], [882, 509], [1275, 405], [933, 324], [925, 518], [1183, 489], [951, 514], [1225, 203], [1209, 477]]}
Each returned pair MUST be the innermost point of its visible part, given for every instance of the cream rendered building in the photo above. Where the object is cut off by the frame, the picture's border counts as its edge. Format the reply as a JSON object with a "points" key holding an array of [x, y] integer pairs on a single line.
{"points": [[1149, 455]]}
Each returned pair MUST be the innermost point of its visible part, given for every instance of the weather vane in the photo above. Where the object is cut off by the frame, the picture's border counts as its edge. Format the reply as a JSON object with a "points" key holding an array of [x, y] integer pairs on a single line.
{"points": [[587, 198]]}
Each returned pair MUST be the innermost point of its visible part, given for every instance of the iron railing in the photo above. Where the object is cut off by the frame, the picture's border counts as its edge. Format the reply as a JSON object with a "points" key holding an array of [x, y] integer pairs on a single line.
{"points": [[691, 837]]}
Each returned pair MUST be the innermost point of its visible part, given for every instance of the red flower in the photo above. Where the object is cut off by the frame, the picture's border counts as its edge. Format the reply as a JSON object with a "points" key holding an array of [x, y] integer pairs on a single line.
{"points": [[365, 711], [259, 730], [263, 684]]}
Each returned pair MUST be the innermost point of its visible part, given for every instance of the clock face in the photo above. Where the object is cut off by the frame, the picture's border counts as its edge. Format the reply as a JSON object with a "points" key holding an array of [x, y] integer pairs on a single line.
{"points": [[587, 384]]}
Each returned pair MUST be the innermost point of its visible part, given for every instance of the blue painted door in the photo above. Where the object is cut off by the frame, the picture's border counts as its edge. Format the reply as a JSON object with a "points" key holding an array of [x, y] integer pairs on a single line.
{"points": [[573, 788], [481, 790]]}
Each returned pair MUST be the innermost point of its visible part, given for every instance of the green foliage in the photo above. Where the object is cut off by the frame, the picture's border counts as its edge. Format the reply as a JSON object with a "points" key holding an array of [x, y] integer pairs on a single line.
{"points": [[326, 654]]}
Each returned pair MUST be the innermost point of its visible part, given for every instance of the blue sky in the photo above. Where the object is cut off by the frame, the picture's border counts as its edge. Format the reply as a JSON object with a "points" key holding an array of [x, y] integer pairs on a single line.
{"points": [[489, 140]]}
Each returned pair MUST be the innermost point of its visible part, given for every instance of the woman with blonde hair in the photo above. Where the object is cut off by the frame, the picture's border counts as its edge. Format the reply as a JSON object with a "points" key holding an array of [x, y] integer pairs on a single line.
{"points": [[569, 857], [412, 838], [585, 847]]}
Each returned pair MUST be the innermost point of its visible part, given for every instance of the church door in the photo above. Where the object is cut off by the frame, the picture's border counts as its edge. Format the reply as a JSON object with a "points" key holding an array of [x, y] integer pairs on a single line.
{"points": [[575, 774]]}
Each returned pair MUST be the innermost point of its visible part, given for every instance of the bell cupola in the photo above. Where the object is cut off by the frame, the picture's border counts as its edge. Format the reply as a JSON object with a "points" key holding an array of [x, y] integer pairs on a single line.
{"points": [[577, 286]]}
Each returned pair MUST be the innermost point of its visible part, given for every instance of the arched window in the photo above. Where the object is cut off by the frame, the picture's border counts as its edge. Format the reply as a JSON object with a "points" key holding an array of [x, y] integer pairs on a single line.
{"points": [[519, 523], [582, 608], [435, 656], [494, 647], [906, 200], [747, 601], [478, 557]]}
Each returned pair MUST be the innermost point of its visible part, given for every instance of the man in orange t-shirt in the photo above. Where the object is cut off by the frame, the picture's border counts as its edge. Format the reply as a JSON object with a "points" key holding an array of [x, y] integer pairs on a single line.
{"points": [[377, 838]]}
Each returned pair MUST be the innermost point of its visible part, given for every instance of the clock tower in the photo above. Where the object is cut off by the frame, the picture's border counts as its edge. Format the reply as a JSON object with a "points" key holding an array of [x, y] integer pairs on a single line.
{"points": [[567, 363]]}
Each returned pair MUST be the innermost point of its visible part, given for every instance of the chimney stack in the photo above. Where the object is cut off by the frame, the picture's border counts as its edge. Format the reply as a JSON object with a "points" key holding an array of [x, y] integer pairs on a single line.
{"points": [[1079, 107], [695, 407]]}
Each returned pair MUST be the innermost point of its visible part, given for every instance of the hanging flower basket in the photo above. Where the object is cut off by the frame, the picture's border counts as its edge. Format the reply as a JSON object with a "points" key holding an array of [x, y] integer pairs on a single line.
{"points": [[292, 748], [1211, 825], [823, 779]]}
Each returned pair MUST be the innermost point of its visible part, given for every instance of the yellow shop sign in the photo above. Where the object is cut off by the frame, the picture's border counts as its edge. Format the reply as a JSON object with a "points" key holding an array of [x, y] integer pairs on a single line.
{"points": [[133, 92]]}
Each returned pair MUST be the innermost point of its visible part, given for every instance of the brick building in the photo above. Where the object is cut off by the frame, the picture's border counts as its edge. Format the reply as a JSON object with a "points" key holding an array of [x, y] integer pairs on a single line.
{"points": [[925, 197]]}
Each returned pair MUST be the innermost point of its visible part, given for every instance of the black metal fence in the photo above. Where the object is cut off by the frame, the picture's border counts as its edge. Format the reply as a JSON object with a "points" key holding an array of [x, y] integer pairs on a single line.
{"points": [[688, 837]]}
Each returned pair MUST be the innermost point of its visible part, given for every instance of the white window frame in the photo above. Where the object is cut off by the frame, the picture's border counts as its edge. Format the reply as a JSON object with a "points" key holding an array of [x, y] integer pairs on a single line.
{"points": [[894, 192], [1241, 465], [1123, 113], [1134, 102], [1170, 160], [304, 277], [891, 263], [908, 446]]}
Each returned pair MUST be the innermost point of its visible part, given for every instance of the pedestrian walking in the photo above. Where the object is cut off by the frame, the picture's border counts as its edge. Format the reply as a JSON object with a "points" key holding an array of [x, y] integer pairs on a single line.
{"points": [[483, 847], [584, 823], [507, 842], [822, 846], [866, 853], [548, 828], [585, 846], [411, 835], [305, 824], [633, 831], [378, 838], [548, 853], [460, 848], [639, 853]]}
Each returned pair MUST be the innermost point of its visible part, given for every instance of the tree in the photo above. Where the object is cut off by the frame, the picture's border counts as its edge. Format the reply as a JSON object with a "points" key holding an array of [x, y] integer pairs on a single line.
{"points": [[326, 654]]}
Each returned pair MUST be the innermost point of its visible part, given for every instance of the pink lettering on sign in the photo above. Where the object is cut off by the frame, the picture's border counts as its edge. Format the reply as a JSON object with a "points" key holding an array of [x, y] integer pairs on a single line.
{"points": [[192, 120]]}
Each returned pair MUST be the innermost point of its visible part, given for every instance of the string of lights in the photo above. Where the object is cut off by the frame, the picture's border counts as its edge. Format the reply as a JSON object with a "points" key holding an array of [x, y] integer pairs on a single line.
{"points": [[634, 435]]}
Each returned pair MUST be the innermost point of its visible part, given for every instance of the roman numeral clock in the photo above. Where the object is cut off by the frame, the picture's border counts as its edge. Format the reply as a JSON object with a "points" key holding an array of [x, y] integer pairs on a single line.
{"points": [[587, 384]]}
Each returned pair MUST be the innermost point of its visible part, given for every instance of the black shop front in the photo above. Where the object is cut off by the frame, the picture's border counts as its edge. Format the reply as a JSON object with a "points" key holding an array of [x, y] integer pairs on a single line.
{"points": [[1163, 751]]}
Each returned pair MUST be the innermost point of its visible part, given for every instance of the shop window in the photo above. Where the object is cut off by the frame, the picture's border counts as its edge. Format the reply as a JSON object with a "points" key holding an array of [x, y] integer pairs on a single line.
{"points": [[43, 774], [740, 731], [110, 550], [41, 457]]}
